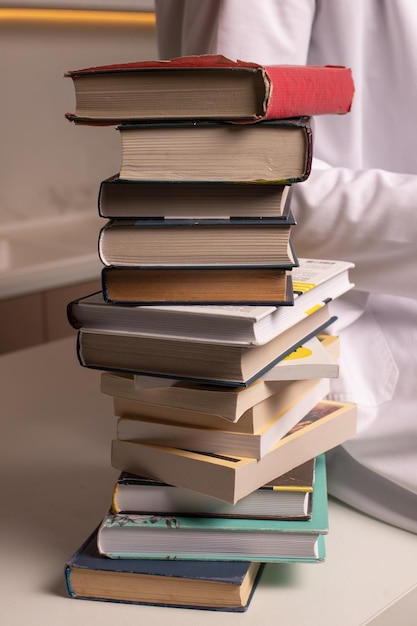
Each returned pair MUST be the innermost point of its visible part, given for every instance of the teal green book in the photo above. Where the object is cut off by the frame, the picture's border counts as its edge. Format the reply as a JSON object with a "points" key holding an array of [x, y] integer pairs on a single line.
{"points": [[187, 537]]}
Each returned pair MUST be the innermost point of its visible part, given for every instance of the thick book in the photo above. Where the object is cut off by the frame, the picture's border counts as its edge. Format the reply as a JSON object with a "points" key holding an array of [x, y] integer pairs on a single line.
{"points": [[276, 151], [197, 244], [210, 585], [231, 478], [287, 497], [207, 86], [191, 200], [203, 286], [194, 360], [244, 409], [130, 535], [224, 441], [316, 358], [315, 281]]}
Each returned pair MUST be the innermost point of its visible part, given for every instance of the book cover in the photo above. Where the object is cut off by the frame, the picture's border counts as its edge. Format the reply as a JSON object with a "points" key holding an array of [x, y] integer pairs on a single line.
{"points": [[214, 585], [191, 537], [196, 243], [223, 441], [231, 478], [286, 497], [278, 151], [315, 281], [311, 360], [208, 362], [191, 200], [205, 286], [207, 86]]}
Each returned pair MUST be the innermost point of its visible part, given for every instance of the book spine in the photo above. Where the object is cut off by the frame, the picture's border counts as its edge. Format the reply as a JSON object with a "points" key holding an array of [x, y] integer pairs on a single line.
{"points": [[313, 90]]}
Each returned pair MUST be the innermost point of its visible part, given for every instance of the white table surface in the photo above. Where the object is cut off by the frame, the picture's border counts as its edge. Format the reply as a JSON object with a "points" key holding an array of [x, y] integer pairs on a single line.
{"points": [[56, 428]]}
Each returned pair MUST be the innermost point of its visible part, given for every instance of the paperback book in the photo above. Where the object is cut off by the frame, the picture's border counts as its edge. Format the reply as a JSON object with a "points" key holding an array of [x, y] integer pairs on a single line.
{"points": [[287, 497], [240, 409], [231, 478], [224, 441]]}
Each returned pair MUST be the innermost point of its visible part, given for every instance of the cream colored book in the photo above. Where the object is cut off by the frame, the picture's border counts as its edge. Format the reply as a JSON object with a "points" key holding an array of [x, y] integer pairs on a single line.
{"points": [[230, 478], [229, 403], [310, 361], [217, 441], [244, 408]]}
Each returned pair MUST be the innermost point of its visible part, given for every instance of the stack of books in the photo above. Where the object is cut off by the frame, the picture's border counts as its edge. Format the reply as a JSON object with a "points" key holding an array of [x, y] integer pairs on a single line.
{"points": [[209, 330]]}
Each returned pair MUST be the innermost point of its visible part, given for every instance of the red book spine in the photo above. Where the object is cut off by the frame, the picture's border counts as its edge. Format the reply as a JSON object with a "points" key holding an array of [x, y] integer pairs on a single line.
{"points": [[294, 90]]}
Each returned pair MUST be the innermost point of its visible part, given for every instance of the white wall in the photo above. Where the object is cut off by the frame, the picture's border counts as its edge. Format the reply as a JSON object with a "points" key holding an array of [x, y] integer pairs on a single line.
{"points": [[47, 164]]}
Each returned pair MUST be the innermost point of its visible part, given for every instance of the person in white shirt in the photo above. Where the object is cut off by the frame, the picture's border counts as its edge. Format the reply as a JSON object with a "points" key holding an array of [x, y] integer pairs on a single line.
{"points": [[359, 204]]}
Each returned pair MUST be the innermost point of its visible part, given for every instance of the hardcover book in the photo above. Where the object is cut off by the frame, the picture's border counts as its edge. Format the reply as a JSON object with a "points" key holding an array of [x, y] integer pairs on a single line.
{"points": [[207, 86], [224, 441], [315, 282], [286, 497], [194, 360], [231, 478], [191, 285], [188, 200], [211, 585], [196, 244], [219, 538], [277, 151]]}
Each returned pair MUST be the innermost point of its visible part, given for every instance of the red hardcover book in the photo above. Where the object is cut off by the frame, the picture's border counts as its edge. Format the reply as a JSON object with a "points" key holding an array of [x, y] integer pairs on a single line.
{"points": [[208, 87]]}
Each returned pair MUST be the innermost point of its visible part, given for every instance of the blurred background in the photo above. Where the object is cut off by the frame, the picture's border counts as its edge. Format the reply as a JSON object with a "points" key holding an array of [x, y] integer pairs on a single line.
{"points": [[51, 169]]}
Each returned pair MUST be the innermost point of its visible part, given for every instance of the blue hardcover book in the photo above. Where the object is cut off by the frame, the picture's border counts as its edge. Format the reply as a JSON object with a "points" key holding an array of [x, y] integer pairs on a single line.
{"points": [[210, 585], [214, 538]]}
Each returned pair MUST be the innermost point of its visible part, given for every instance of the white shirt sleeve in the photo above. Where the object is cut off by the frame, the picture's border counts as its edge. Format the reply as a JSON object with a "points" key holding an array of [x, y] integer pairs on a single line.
{"points": [[357, 213]]}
